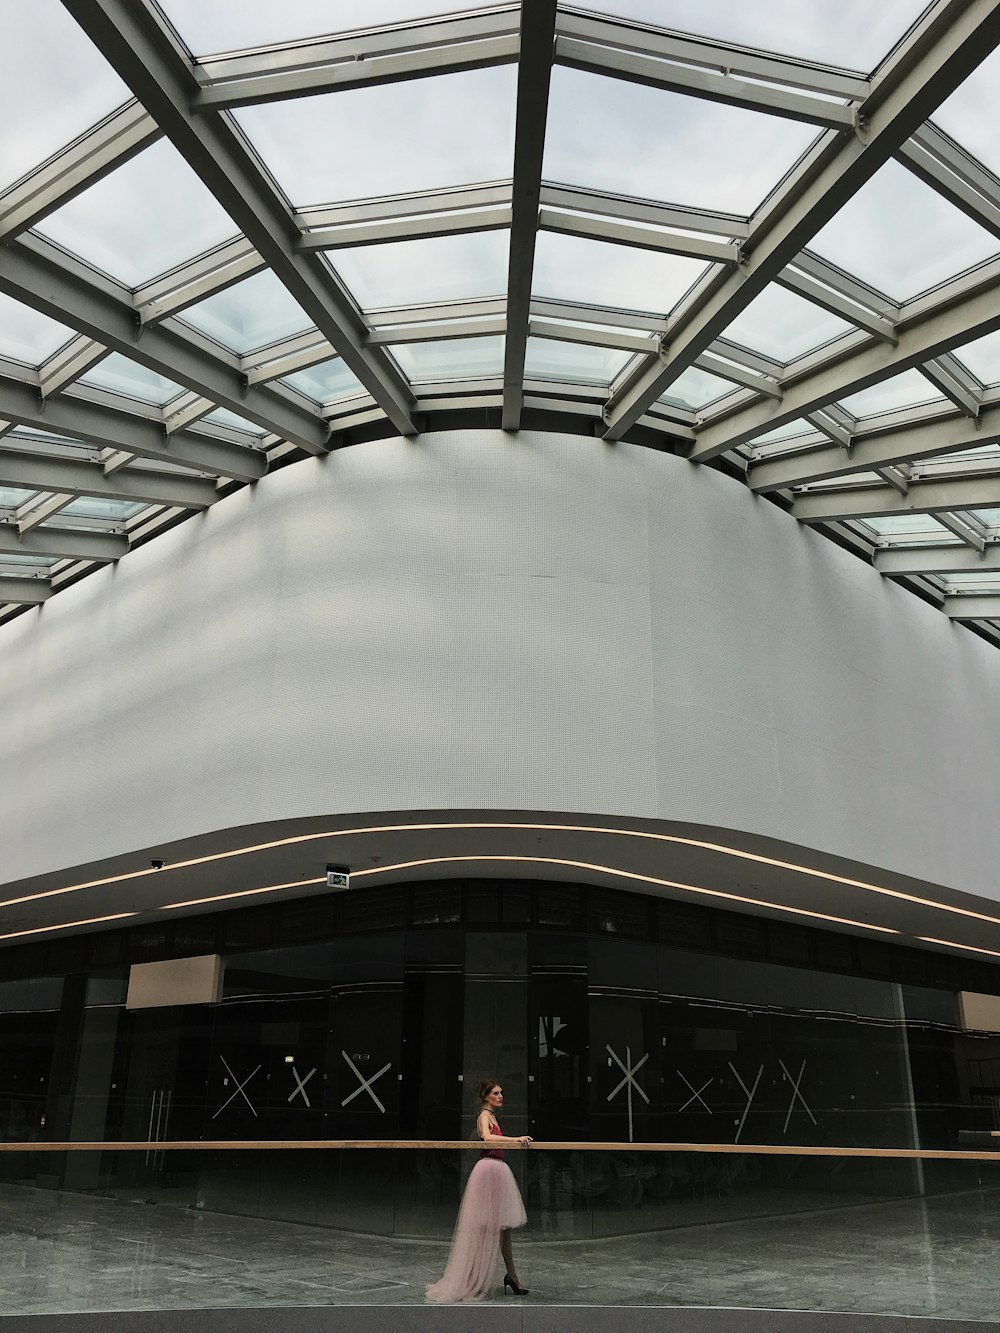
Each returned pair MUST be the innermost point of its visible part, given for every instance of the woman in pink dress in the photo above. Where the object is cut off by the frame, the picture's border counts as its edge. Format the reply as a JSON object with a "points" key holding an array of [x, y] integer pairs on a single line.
{"points": [[491, 1208]]}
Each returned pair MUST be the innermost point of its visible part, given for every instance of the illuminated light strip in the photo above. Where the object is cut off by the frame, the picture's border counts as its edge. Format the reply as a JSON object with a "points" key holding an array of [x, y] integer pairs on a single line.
{"points": [[550, 861], [67, 925], [439, 827], [952, 944], [242, 893]]}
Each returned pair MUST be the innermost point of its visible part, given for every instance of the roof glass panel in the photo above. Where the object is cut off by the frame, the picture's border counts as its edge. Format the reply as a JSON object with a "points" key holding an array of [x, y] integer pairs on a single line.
{"points": [[908, 525], [990, 518], [90, 506], [459, 358], [395, 138], [851, 33], [970, 114], [606, 134], [573, 268], [329, 382], [696, 388], [26, 335], [782, 325], [905, 390], [118, 373], [223, 417], [253, 313], [220, 25], [55, 85], [127, 224], [982, 357], [574, 363], [440, 268], [35, 561], [901, 236], [12, 496]]}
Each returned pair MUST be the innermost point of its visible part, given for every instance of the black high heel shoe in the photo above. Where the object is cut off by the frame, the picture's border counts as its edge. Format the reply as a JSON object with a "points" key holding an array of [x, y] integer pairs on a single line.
{"points": [[509, 1283]]}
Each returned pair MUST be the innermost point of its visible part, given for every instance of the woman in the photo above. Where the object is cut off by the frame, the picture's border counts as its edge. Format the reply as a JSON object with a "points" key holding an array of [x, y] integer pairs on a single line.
{"points": [[491, 1207]]}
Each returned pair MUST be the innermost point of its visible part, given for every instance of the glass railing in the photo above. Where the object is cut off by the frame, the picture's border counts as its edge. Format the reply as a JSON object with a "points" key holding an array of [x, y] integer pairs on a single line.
{"points": [[164, 1225]]}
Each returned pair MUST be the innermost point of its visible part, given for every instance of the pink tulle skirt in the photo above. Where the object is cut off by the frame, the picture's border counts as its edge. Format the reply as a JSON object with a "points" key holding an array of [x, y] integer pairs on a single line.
{"points": [[491, 1204]]}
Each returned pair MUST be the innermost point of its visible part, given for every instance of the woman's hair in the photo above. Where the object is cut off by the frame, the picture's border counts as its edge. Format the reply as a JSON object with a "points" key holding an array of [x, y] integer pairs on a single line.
{"points": [[486, 1087]]}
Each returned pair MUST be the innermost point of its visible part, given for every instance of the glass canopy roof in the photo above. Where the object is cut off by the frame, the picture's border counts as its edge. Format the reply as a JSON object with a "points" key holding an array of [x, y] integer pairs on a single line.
{"points": [[766, 237]]}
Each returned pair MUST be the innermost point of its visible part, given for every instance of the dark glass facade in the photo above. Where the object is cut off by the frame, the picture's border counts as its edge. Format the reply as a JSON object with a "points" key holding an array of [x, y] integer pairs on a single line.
{"points": [[608, 1016]]}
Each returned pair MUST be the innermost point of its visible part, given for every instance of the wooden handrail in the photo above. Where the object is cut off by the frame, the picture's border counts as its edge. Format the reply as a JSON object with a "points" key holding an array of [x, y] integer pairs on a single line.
{"points": [[731, 1149]]}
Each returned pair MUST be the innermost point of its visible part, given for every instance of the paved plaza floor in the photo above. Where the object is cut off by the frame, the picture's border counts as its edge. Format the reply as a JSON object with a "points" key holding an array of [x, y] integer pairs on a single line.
{"points": [[64, 1252]]}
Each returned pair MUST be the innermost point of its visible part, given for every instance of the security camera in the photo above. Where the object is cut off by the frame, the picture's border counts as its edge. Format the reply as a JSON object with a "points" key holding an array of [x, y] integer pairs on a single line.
{"points": [[156, 863]]}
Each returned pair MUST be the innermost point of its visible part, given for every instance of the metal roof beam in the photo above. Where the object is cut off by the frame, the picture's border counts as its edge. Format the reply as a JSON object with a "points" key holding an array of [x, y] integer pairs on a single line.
{"points": [[942, 165], [69, 363], [71, 476], [972, 606], [640, 238], [953, 322], [964, 531], [952, 39], [358, 60], [81, 419], [534, 75], [708, 53], [895, 561], [62, 543], [923, 497], [421, 227], [653, 72], [873, 451], [75, 168], [48, 508], [205, 275], [30, 271], [624, 209], [837, 304], [27, 592], [946, 375], [142, 52]]}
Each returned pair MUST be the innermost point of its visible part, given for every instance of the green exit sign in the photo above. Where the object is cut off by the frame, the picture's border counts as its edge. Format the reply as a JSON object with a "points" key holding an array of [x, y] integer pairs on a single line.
{"points": [[338, 877]]}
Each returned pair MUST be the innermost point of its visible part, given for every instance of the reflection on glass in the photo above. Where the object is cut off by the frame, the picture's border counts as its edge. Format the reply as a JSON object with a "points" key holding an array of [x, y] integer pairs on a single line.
{"points": [[26, 335], [575, 363], [906, 390], [364, 142], [970, 114], [780, 324], [143, 219], [982, 357], [328, 382], [253, 313], [461, 358], [121, 375], [55, 85], [606, 134], [208, 26], [901, 237], [850, 33], [573, 268], [695, 388], [441, 268]]}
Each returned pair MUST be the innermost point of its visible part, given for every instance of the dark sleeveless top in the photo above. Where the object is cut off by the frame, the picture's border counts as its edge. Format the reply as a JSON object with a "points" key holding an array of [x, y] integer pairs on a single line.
{"points": [[495, 1154]]}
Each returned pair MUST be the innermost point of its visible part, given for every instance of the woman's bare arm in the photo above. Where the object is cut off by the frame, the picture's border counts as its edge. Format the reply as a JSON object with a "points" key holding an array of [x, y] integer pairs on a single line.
{"points": [[498, 1140]]}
